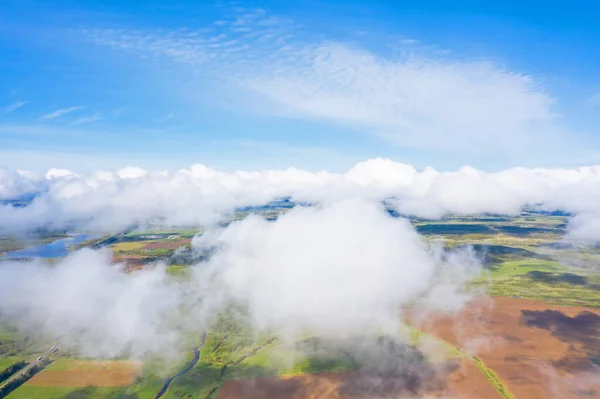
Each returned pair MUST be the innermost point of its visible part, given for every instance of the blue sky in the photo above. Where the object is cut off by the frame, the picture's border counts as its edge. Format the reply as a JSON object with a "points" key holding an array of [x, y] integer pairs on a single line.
{"points": [[311, 84]]}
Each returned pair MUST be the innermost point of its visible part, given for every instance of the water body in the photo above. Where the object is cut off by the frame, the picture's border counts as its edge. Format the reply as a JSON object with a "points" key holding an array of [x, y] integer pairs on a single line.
{"points": [[55, 249], [190, 366]]}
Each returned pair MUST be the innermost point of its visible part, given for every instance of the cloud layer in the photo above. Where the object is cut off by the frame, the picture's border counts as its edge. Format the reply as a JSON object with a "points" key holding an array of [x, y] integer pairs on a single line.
{"points": [[90, 305], [336, 268], [343, 268], [113, 200]]}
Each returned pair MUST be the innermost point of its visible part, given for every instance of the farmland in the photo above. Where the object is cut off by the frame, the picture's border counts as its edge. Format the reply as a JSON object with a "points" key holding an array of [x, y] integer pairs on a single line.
{"points": [[536, 320], [520, 339]]}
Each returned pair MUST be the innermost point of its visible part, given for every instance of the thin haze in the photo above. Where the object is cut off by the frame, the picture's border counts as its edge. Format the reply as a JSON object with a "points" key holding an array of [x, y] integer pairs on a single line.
{"points": [[340, 269]]}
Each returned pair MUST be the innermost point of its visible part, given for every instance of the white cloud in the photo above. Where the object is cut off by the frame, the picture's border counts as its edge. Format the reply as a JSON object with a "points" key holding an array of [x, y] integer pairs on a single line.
{"points": [[14, 183], [200, 195], [341, 268], [88, 119], [131, 172], [60, 112], [55, 173], [344, 268], [411, 100], [92, 306], [415, 101], [14, 106], [585, 227]]}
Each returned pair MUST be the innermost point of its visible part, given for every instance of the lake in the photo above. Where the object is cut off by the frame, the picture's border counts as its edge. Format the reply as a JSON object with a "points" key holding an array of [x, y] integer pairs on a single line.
{"points": [[55, 249]]}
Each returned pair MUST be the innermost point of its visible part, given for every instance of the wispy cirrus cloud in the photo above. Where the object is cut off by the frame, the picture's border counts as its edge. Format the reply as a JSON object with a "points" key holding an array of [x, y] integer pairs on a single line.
{"points": [[593, 100], [61, 112], [14, 106], [249, 35], [415, 99], [88, 119], [411, 101], [165, 118]]}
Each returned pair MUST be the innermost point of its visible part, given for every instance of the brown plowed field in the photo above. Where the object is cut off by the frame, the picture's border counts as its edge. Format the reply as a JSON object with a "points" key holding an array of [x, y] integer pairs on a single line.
{"points": [[84, 378], [461, 379], [89, 373], [131, 262], [537, 350]]}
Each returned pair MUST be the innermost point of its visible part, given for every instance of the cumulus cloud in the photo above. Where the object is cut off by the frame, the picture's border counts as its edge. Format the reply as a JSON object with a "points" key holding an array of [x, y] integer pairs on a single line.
{"points": [[347, 267], [131, 172], [59, 173], [337, 268], [15, 183], [200, 195]]}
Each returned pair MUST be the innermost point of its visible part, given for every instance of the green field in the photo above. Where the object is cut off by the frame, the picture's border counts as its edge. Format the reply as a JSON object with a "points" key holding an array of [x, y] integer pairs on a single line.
{"points": [[184, 233], [545, 280], [522, 256], [8, 361]]}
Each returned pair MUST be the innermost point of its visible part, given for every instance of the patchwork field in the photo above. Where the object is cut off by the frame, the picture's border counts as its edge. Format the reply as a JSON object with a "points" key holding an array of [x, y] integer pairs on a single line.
{"points": [[535, 348], [459, 378], [536, 334], [137, 250]]}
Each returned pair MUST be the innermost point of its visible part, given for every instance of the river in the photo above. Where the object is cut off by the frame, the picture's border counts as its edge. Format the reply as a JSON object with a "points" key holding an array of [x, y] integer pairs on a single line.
{"points": [[190, 366]]}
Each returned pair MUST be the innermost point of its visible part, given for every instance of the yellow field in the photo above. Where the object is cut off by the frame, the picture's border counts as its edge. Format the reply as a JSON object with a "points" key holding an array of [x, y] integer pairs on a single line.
{"points": [[127, 246]]}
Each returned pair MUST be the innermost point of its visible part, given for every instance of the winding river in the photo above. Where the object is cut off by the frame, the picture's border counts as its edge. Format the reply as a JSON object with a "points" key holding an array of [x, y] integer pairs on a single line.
{"points": [[190, 366]]}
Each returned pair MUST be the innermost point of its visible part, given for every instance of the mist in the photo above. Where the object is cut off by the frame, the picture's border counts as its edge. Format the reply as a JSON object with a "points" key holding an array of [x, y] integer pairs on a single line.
{"points": [[338, 269]]}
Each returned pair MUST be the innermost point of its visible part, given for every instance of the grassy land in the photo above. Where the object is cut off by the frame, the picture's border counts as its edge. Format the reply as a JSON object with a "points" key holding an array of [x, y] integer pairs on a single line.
{"points": [[13, 344], [522, 259], [518, 268], [229, 344], [184, 233], [180, 271], [138, 248], [553, 293], [8, 361], [233, 351], [542, 280], [127, 246], [492, 378], [8, 244]]}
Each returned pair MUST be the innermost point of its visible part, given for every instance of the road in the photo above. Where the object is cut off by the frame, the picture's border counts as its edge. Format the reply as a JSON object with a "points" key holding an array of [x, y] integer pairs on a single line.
{"points": [[190, 366], [113, 239], [37, 361]]}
